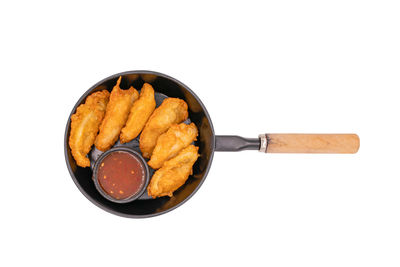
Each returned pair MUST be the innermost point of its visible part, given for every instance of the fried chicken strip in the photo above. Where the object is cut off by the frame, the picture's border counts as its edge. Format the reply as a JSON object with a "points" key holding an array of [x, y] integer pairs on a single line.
{"points": [[172, 110], [139, 114], [171, 142], [116, 115], [173, 174], [85, 125]]}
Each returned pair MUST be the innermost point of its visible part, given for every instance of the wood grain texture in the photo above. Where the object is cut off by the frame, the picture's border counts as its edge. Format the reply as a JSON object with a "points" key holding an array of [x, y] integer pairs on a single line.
{"points": [[312, 143]]}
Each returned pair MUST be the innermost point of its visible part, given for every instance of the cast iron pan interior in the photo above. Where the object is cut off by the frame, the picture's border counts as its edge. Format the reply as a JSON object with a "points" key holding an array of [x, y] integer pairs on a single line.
{"points": [[164, 86]]}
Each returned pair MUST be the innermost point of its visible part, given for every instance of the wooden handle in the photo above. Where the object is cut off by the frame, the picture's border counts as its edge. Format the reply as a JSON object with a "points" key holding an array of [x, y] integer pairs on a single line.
{"points": [[311, 143]]}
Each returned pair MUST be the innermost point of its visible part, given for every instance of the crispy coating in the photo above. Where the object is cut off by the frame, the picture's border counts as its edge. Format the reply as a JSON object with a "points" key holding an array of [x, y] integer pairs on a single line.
{"points": [[140, 112], [171, 142], [172, 110], [173, 174], [85, 125], [116, 115]]}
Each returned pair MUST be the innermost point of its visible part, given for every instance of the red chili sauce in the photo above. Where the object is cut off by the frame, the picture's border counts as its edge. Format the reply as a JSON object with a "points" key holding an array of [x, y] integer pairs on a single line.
{"points": [[121, 175]]}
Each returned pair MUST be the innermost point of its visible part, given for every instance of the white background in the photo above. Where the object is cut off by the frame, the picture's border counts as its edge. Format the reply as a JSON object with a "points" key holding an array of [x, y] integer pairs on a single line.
{"points": [[258, 66]]}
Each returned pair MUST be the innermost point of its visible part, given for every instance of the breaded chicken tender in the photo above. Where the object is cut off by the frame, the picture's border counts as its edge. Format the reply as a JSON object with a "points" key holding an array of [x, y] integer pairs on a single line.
{"points": [[139, 114], [172, 110], [173, 174], [116, 115], [85, 125], [171, 142]]}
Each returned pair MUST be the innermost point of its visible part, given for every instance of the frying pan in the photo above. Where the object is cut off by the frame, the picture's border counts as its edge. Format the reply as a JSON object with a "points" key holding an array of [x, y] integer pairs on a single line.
{"points": [[207, 142]]}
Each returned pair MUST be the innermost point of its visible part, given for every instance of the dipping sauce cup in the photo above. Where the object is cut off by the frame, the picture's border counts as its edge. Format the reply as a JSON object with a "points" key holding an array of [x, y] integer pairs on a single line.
{"points": [[121, 175]]}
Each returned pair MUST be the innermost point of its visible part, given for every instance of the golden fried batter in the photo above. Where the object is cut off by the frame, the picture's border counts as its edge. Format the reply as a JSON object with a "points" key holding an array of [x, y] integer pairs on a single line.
{"points": [[85, 124], [116, 115], [173, 174], [139, 114], [171, 142], [172, 110]]}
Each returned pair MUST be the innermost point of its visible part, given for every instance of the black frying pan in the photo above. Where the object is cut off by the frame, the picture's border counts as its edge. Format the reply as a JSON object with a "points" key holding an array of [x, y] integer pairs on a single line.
{"points": [[207, 142]]}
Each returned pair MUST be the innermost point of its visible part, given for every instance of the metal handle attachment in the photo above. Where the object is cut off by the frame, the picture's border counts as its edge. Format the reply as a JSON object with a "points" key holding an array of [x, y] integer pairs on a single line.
{"points": [[235, 143]]}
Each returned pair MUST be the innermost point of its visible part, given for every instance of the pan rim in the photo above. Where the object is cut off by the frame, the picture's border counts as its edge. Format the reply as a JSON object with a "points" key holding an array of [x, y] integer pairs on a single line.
{"points": [[98, 204]]}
